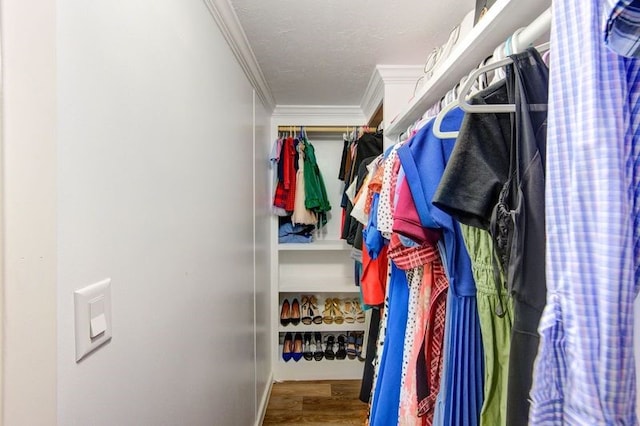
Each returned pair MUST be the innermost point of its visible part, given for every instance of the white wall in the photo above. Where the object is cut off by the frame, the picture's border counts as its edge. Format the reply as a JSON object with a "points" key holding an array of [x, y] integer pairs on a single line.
{"points": [[155, 190], [263, 246], [28, 231]]}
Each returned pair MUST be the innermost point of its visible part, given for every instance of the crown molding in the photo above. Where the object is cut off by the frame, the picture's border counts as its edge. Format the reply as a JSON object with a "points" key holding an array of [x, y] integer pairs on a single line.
{"points": [[400, 73], [373, 95], [318, 115], [227, 20], [383, 75]]}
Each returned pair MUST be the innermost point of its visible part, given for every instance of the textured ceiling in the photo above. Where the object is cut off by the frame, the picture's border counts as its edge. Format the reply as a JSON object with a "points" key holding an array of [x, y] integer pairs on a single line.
{"points": [[323, 52]]}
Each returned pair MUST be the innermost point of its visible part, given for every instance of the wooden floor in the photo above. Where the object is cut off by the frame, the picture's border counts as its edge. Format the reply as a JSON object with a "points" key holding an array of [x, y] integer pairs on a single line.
{"points": [[332, 402]]}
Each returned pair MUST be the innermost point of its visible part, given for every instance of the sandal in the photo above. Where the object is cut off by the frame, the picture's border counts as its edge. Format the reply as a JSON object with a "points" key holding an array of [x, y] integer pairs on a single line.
{"points": [[328, 351], [349, 311], [341, 353], [307, 352], [327, 314], [351, 345], [359, 340], [305, 309], [314, 311], [338, 317], [318, 354], [359, 312]]}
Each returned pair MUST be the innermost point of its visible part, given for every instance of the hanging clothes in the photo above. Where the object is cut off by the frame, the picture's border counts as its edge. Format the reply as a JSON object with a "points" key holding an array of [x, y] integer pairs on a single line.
{"points": [[284, 197], [495, 181], [496, 330], [374, 249], [316, 193], [522, 206], [428, 355], [423, 159], [584, 373], [469, 189], [302, 215], [299, 190], [386, 398], [368, 145], [424, 269], [623, 27]]}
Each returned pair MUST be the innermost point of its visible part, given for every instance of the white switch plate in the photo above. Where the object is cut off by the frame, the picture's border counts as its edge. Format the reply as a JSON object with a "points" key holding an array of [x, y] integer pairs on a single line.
{"points": [[92, 305]]}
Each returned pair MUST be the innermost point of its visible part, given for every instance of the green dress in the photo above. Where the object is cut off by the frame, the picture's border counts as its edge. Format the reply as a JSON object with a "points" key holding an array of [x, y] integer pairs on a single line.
{"points": [[315, 192], [496, 331]]}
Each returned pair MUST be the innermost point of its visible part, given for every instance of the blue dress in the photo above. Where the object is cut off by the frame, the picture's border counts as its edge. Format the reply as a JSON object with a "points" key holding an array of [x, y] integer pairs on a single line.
{"points": [[424, 159], [386, 398]]}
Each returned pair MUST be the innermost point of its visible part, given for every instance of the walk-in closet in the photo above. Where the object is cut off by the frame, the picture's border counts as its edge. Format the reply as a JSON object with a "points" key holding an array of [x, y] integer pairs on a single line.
{"points": [[244, 212]]}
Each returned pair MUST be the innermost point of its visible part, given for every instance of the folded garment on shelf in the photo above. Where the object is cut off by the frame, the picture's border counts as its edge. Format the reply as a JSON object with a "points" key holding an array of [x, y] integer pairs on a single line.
{"points": [[289, 233]]}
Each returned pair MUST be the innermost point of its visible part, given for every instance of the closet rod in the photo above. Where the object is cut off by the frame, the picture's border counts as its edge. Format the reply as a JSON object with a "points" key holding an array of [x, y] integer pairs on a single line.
{"points": [[532, 32], [321, 129]]}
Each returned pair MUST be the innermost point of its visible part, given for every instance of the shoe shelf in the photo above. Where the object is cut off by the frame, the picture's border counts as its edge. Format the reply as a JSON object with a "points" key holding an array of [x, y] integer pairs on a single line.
{"points": [[343, 369], [329, 328], [318, 284], [350, 366], [325, 245]]}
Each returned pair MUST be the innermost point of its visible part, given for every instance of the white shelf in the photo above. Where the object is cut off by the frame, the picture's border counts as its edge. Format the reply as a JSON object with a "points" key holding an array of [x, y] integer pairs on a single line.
{"points": [[343, 369], [323, 328], [306, 284], [502, 19], [316, 245]]}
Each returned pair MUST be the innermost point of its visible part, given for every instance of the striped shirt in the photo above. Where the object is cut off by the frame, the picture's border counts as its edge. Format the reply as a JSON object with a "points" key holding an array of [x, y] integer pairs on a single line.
{"points": [[584, 372]]}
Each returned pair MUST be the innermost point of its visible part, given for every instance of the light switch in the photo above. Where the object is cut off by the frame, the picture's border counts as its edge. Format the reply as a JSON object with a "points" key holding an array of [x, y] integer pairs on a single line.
{"points": [[92, 317], [98, 323]]}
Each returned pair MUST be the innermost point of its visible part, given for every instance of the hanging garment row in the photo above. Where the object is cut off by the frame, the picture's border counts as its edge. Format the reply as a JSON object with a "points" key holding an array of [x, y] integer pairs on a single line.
{"points": [[453, 259], [300, 194]]}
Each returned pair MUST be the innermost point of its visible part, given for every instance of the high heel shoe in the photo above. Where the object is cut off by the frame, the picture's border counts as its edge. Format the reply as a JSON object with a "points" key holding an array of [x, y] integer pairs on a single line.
{"points": [[328, 350], [318, 354], [307, 351], [287, 347], [295, 312], [314, 312], [327, 314], [285, 313], [306, 310], [341, 353], [297, 347], [338, 317]]}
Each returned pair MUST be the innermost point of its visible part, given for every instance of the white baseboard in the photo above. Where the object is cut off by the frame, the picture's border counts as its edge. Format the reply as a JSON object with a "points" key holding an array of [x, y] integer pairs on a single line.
{"points": [[264, 401]]}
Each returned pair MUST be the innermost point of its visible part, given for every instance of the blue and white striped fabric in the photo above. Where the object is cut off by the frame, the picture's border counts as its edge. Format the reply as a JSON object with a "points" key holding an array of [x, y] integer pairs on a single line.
{"points": [[622, 33], [584, 373]]}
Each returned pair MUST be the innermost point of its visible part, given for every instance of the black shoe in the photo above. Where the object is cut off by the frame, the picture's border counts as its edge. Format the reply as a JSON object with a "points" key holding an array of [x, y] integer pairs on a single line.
{"points": [[318, 354], [295, 312], [285, 313], [307, 353], [341, 353], [328, 351]]}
